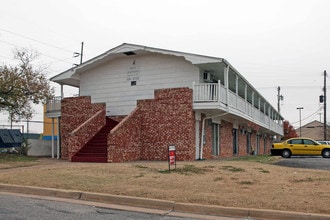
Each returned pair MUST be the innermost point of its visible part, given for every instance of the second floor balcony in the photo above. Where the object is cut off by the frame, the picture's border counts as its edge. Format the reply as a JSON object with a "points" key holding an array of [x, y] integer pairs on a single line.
{"points": [[251, 107], [53, 107]]}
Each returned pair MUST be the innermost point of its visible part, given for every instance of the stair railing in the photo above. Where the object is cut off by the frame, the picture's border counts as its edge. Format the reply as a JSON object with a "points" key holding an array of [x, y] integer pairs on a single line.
{"points": [[86, 122], [79, 137]]}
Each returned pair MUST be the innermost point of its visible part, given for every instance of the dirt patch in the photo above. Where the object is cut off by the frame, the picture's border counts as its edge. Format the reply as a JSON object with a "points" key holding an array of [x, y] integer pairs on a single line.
{"points": [[217, 182]]}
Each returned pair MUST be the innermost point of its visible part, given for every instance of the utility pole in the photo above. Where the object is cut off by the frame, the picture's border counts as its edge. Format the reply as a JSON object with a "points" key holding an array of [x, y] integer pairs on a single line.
{"points": [[76, 54], [81, 52], [325, 105], [279, 99], [300, 108]]}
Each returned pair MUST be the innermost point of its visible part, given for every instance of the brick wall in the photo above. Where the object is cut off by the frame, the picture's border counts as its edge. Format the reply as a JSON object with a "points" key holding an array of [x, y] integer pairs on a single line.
{"points": [[75, 113], [124, 139], [226, 139], [168, 120], [207, 147], [241, 143], [146, 133]]}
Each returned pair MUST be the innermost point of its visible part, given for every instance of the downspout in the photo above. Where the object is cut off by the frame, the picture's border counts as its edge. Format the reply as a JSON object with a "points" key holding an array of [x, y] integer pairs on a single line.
{"points": [[203, 131]]}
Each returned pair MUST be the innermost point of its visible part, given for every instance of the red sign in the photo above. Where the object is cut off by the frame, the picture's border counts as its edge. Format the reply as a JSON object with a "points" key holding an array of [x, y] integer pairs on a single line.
{"points": [[171, 154]]}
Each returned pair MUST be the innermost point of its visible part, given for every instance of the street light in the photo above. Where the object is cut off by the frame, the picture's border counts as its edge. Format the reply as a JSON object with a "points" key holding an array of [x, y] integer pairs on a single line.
{"points": [[299, 108]]}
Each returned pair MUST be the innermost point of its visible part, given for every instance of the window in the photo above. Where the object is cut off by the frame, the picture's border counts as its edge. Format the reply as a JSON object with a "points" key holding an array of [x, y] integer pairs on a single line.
{"points": [[295, 141], [133, 83], [309, 142]]}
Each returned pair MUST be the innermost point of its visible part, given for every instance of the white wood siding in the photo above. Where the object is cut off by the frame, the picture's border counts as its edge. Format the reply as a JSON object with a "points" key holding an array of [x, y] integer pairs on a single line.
{"points": [[110, 84]]}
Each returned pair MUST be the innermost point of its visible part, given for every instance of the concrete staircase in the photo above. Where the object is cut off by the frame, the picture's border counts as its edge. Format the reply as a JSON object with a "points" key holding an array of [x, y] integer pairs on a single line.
{"points": [[96, 150]]}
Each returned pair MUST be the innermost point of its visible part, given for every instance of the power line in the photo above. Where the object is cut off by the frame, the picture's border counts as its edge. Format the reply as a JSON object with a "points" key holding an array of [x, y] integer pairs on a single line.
{"points": [[7, 57], [38, 41], [313, 114], [290, 87], [62, 60]]}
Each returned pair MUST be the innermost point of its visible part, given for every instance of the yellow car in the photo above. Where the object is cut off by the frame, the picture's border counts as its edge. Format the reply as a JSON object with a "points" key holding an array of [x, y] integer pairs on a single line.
{"points": [[300, 146]]}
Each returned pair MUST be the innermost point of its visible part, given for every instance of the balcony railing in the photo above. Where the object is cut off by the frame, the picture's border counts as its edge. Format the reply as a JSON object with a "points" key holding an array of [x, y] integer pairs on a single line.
{"points": [[53, 106], [214, 95]]}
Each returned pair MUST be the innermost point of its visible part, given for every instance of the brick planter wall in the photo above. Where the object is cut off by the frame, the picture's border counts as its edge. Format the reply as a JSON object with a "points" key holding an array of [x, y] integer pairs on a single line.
{"points": [[145, 134], [76, 112]]}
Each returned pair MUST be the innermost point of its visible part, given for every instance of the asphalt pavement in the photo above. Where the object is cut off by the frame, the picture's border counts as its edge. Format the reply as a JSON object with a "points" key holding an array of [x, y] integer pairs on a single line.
{"points": [[306, 162], [16, 207]]}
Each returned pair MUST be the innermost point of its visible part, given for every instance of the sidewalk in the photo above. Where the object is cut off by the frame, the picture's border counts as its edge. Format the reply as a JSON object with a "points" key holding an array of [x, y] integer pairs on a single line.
{"points": [[162, 206]]}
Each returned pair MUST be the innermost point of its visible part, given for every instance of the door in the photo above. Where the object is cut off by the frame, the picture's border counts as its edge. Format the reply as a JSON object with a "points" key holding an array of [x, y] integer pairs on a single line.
{"points": [[311, 147], [215, 140], [248, 143], [235, 142], [265, 145], [258, 145]]}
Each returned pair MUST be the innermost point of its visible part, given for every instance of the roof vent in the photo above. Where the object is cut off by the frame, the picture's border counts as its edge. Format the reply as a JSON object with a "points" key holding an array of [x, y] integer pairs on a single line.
{"points": [[129, 53]]}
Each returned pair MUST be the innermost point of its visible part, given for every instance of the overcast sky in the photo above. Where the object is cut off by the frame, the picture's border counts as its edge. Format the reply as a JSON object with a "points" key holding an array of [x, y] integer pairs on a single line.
{"points": [[271, 43]]}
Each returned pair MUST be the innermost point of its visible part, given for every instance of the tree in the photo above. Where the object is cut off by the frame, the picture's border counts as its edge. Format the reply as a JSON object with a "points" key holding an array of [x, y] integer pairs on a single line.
{"points": [[289, 131], [23, 85]]}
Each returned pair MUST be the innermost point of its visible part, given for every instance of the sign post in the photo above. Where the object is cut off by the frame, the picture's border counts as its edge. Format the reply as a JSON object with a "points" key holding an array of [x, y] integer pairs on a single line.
{"points": [[171, 157]]}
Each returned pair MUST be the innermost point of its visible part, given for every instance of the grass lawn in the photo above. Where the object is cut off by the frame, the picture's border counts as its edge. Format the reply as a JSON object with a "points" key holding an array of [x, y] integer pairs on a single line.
{"points": [[251, 182]]}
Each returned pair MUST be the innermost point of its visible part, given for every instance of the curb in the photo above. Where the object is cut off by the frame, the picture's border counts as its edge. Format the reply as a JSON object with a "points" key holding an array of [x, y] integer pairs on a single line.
{"points": [[68, 194], [170, 206], [130, 201]]}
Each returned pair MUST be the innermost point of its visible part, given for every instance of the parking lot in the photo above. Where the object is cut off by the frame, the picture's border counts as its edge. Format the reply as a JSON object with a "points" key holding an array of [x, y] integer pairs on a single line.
{"points": [[316, 162]]}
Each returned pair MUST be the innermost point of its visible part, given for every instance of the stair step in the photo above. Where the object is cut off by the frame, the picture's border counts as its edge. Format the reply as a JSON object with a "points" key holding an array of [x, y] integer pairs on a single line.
{"points": [[90, 159], [97, 143], [95, 146], [89, 151], [96, 150], [93, 154]]}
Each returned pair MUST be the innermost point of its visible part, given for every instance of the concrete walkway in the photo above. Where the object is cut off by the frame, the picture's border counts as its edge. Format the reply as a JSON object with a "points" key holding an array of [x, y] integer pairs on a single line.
{"points": [[162, 206]]}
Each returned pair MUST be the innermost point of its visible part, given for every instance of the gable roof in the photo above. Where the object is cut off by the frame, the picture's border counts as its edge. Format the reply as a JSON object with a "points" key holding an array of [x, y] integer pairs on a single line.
{"points": [[68, 77], [312, 124]]}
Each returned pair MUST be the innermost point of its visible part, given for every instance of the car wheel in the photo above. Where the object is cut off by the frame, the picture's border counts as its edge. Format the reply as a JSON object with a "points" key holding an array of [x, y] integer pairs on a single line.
{"points": [[286, 153], [326, 153]]}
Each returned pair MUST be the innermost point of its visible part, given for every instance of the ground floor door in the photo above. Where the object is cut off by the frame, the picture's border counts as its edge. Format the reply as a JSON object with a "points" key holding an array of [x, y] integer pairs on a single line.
{"points": [[235, 142], [258, 145], [248, 143], [215, 139]]}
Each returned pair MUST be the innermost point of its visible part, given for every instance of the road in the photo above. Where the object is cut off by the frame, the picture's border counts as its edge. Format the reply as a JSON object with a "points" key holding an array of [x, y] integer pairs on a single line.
{"points": [[316, 162], [16, 207]]}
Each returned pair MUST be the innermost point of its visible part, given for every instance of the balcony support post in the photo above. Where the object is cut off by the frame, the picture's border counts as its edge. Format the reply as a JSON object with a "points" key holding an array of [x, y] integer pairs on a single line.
{"points": [[58, 138], [52, 137]]}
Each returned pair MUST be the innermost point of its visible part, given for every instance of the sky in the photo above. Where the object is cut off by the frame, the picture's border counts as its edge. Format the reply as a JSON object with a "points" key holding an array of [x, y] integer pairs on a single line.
{"points": [[272, 43]]}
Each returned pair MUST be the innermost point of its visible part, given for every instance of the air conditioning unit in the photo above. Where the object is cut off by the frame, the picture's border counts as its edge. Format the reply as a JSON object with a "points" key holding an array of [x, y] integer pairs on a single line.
{"points": [[207, 77]]}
